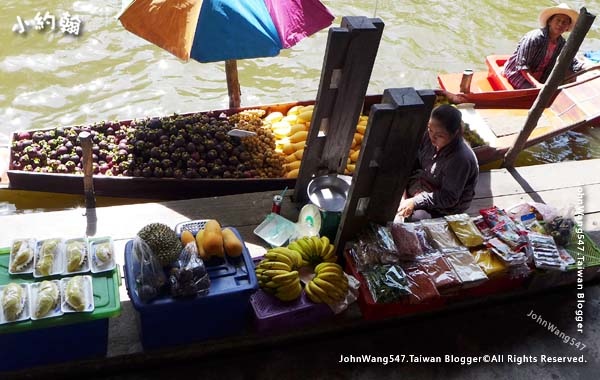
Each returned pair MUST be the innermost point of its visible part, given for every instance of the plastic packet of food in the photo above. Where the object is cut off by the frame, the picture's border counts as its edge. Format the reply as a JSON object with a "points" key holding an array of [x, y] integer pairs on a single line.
{"points": [[76, 256], [387, 283], [560, 228], [440, 271], [388, 254], [45, 299], [14, 302], [465, 230], [406, 239], [505, 253], [532, 224], [545, 252], [440, 234], [489, 262], [78, 294], [504, 227], [465, 267], [102, 254], [188, 278], [483, 227], [150, 277], [422, 287]]}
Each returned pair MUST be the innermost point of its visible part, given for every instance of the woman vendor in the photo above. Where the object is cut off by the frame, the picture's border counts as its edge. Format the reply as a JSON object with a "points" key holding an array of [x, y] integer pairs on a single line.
{"points": [[447, 169], [537, 51]]}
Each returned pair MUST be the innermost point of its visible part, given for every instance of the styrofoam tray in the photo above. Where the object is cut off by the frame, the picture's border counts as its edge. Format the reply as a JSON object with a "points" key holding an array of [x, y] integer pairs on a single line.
{"points": [[31, 244], [85, 265], [88, 294], [97, 265], [57, 263], [24, 315], [33, 298]]}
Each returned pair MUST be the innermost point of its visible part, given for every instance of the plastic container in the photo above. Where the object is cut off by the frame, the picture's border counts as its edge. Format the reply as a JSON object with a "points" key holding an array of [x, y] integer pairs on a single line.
{"points": [[274, 315], [68, 337], [224, 311], [375, 311]]}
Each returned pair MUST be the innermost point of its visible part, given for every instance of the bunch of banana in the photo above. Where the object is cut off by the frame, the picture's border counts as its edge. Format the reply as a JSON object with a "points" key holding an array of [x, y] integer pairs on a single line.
{"points": [[329, 285], [277, 273], [314, 250]]}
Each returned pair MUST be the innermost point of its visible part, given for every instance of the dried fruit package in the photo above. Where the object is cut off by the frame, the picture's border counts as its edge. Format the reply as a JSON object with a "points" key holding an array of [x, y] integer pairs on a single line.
{"points": [[440, 271], [410, 239], [505, 253], [489, 262], [464, 265], [150, 276], [422, 288], [465, 230], [440, 234], [188, 277], [369, 249]]}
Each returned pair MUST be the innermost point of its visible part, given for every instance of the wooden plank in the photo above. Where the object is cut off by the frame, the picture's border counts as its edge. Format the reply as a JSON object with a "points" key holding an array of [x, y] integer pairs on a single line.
{"points": [[390, 145], [345, 76]]}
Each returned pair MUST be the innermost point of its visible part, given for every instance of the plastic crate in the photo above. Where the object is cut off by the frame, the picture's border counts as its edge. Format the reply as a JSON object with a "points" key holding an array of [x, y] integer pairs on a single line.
{"points": [[372, 310], [69, 337], [224, 311], [543, 279], [273, 315]]}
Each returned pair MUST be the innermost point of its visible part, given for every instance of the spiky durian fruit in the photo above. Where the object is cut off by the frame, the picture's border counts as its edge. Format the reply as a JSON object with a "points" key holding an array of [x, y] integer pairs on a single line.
{"points": [[163, 242]]}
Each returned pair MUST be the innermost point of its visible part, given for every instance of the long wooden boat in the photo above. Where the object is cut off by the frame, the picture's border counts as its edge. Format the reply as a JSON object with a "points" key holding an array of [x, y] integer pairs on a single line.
{"points": [[498, 124], [490, 89]]}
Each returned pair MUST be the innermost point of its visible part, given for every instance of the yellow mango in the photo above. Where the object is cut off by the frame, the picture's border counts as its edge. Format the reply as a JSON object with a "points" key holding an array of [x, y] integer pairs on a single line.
{"points": [[299, 136], [294, 110], [292, 174], [292, 165], [291, 148], [354, 155], [298, 128], [298, 154], [290, 119], [273, 117], [290, 158], [361, 129], [358, 137], [305, 116]]}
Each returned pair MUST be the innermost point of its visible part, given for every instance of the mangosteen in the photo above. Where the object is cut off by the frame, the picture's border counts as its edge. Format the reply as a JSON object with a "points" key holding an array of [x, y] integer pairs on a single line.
{"points": [[24, 159], [191, 148], [37, 136], [185, 156], [244, 156], [192, 164], [155, 152], [164, 154], [69, 145], [175, 156], [203, 172], [109, 131], [179, 141], [166, 163], [168, 172], [96, 168], [212, 154], [233, 160], [62, 168], [191, 173], [147, 172], [49, 135], [24, 135], [154, 123], [74, 158], [70, 165], [137, 172], [178, 173], [227, 174]]}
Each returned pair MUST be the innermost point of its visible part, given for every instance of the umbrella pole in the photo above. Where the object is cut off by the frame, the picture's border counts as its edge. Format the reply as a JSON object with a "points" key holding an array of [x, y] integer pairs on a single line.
{"points": [[233, 84]]}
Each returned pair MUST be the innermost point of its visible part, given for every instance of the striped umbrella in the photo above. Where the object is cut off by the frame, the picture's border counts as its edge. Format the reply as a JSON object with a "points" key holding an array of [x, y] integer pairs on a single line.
{"points": [[224, 30]]}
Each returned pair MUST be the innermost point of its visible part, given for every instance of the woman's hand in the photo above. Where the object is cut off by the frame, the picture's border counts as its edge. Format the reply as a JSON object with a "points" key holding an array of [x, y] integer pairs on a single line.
{"points": [[407, 207]]}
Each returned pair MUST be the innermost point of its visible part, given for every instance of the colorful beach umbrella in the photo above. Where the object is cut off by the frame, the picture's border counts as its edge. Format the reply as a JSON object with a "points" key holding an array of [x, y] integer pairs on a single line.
{"points": [[224, 30]]}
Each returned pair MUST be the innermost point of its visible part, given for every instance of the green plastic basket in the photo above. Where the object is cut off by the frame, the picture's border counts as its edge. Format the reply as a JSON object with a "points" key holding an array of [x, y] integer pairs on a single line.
{"points": [[590, 250], [106, 299]]}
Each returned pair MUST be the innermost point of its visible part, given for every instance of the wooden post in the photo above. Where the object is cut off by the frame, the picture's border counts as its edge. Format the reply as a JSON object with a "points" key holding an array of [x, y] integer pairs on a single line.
{"points": [[584, 22], [392, 138], [347, 66], [88, 182], [233, 84]]}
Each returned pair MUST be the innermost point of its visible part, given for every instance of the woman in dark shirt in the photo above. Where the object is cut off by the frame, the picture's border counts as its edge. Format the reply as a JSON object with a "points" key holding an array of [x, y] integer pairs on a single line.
{"points": [[531, 64], [447, 169]]}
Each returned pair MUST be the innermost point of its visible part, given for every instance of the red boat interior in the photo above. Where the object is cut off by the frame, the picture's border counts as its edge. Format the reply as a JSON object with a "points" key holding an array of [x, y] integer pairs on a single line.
{"points": [[490, 81]]}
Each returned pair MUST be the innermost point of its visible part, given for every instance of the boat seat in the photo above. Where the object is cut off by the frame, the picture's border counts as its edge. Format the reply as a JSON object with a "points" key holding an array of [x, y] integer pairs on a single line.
{"points": [[495, 64]]}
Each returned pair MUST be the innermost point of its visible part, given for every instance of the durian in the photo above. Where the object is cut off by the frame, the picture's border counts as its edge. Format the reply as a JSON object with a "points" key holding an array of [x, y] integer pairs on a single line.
{"points": [[163, 242]]}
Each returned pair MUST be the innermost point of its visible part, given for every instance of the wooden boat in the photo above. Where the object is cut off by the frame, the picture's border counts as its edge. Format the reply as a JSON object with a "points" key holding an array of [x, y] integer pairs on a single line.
{"points": [[490, 89], [565, 113]]}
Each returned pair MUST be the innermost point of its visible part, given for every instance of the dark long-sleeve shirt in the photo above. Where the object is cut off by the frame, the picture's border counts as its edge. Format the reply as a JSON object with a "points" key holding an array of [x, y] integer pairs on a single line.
{"points": [[530, 55], [452, 174]]}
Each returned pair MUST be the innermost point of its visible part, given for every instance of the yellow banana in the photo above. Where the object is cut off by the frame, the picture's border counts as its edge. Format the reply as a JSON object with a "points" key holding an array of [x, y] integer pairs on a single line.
{"points": [[331, 290], [275, 265], [313, 296], [324, 265], [318, 243], [285, 277], [304, 249], [270, 284], [330, 276], [279, 257], [325, 241], [274, 272], [290, 295], [330, 257], [291, 286], [320, 292]]}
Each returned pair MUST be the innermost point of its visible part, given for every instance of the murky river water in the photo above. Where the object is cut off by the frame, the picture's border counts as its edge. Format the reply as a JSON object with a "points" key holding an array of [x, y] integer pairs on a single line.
{"points": [[106, 73]]}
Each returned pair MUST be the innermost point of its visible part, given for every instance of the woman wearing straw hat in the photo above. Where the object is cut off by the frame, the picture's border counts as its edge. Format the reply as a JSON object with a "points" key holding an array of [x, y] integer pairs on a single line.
{"points": [[531, 64]]}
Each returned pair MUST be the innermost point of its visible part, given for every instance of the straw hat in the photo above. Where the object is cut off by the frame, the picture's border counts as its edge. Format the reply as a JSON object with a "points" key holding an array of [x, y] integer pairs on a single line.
{"points": [[559, 9]]}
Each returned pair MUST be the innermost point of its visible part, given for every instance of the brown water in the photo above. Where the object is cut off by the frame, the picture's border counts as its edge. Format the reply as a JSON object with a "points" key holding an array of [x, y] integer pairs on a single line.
{"points": [[50, 79]]}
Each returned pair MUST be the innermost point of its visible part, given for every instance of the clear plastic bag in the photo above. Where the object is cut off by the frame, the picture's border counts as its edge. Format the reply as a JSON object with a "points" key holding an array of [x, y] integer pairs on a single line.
{"points": [[387, 283], [489, 262], [410, 239], [188, 277], [151, 277], [440, 234], [374, 246], [440, 271], [465, 230], [421, 286], [464, 265]]}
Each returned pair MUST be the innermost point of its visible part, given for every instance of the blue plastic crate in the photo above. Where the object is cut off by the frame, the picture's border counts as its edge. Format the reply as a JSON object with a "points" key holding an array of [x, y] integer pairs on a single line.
{"points": [[225, 311]]}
